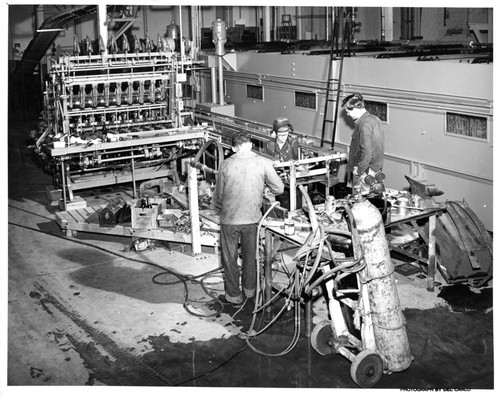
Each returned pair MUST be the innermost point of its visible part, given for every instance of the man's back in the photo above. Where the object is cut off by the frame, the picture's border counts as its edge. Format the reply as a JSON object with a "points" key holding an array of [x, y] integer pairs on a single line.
{"points": [[240, 186]]}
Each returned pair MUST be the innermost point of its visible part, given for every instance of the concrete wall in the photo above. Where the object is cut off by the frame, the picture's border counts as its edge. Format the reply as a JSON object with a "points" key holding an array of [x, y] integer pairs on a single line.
{"points": [[418, 95]]}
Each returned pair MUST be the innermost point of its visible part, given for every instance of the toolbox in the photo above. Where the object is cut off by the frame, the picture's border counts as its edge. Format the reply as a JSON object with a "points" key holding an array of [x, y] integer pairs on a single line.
{"points": [[117, 211]]}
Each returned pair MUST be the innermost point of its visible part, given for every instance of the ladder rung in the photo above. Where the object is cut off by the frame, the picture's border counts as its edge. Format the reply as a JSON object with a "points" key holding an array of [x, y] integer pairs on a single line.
{"points": [[328, 121]]}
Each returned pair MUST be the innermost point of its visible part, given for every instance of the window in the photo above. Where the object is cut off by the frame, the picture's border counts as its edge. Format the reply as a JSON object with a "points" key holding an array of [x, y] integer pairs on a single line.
{"points": [[305, 100], [255, 92], [467, 125], [379, 109]]}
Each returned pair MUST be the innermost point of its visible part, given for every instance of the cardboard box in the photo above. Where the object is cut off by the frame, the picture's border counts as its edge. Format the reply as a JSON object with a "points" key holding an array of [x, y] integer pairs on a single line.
{"points": [[147, 218]]}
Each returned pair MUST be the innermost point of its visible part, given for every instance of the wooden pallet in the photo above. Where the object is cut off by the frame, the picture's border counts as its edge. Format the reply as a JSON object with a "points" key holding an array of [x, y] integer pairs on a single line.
{"points": [[87, 220]]}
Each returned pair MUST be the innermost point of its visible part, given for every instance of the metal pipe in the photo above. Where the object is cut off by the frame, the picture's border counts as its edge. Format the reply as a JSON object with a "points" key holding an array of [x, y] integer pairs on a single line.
{"points": [[338, 92], [213, 79], [134, 187], [219, 38], [221, 82], [267, 23], [135, 156], [299, 24], [181, 41], [63, 179], [103, 27]]}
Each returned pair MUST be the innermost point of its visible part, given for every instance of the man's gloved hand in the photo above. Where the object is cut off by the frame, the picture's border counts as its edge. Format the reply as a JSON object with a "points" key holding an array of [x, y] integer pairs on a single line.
{"points": [[355, 171]]}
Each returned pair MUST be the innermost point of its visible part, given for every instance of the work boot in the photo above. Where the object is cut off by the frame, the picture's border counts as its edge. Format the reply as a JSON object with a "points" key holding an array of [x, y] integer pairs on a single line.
{"points": [[235, 301], [249, 293]]}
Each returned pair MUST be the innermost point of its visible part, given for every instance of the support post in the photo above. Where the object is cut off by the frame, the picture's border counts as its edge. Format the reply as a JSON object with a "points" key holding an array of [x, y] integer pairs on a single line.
{"points": [[194, 211], [134, 188], [293, 188], [431, 267], [103, 25], [268, 241]]}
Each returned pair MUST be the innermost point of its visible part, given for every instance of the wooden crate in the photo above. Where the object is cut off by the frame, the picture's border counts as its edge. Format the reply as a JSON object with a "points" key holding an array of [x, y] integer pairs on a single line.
{"points": [[147, 218]]}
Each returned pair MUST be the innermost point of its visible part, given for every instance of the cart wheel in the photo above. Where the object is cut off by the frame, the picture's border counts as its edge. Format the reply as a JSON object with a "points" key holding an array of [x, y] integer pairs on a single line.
{"points": [[367, 368], [321, 338]]}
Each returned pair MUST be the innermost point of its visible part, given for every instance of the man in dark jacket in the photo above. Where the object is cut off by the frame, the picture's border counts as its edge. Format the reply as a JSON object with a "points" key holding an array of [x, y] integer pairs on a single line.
{"points": [[366, 152], [240, 186]]}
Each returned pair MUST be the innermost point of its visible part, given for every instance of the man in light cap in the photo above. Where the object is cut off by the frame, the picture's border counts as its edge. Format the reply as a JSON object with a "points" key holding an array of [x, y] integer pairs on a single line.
{"points": [[283, 147]]}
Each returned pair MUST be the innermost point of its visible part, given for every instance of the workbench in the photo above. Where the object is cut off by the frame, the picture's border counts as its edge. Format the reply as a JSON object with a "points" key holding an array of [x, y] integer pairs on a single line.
{"points": [[87, 220], [275, 236], [411, 217]]}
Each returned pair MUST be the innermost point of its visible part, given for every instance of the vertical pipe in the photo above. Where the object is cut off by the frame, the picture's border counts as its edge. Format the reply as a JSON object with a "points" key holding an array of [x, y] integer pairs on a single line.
{"points": [[38, 17], [490, 25], [267, 23], [194, 30], [144, 19], [213, 80], [293, 188], [221, 81], [181, 41], [63, 180], [299, 23], [257, 23], [327, 31], [388, 27], [134, 187], [219, 38]]}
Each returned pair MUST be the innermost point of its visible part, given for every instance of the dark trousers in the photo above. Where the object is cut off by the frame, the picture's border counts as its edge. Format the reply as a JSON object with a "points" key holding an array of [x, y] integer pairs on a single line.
{"points": [[230, 237]]}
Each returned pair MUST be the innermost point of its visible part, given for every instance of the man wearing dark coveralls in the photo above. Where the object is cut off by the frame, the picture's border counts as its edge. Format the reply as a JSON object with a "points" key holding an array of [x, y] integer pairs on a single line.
{"points": [[366, 152]]}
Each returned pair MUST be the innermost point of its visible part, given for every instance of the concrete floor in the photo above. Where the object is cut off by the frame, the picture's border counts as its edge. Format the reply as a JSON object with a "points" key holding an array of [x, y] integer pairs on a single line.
{"points": [[86, 311]]}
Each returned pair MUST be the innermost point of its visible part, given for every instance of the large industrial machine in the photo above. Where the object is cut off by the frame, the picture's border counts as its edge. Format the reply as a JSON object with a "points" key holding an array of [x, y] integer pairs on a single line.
{"points": [[116, 117]]}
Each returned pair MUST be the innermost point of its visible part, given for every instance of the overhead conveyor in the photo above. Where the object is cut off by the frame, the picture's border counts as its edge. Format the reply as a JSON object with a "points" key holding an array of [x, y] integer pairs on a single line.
{"points": [[46, 34]]}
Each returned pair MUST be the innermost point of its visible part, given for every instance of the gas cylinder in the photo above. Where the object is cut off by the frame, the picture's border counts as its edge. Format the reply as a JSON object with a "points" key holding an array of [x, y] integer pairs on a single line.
{"points": [[387, 317]]}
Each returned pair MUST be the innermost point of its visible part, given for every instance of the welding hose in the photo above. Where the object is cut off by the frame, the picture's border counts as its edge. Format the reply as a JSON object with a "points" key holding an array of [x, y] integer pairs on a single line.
{"points": [[257, 307], [315, 227], [295, 292], [296, 334], [257, 262], [196, 161]]}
